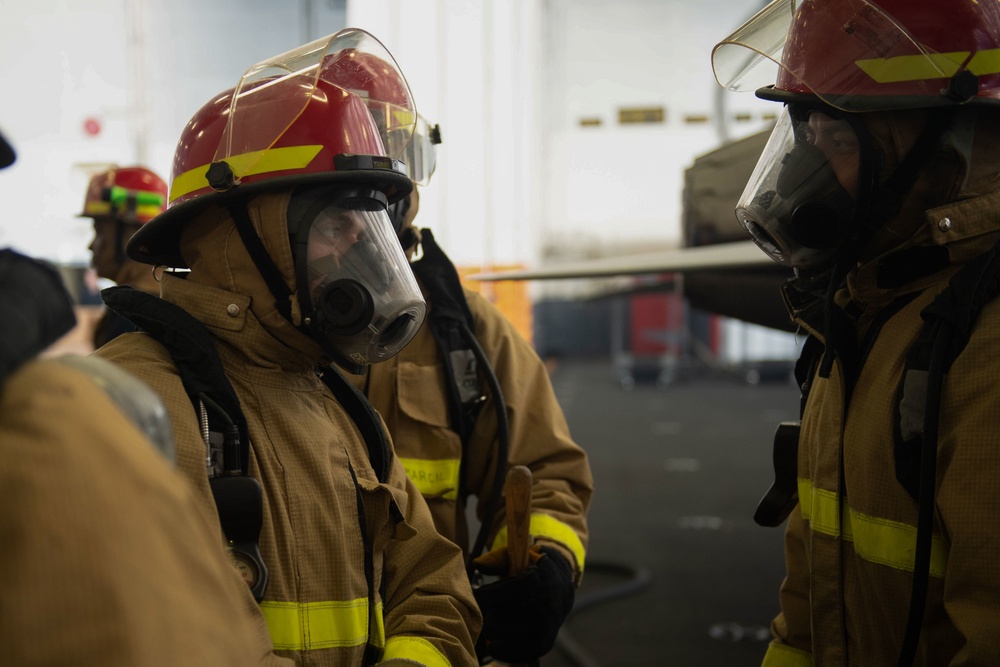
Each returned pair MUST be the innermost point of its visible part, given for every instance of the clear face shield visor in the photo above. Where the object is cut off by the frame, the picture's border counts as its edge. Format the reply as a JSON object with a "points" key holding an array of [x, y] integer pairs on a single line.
{"points": [[420, 155], [362, 297], [799, 205]]}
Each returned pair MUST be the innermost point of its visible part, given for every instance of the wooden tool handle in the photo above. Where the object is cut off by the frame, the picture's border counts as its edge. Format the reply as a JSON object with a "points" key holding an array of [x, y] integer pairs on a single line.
{"points": [[518, 493]]}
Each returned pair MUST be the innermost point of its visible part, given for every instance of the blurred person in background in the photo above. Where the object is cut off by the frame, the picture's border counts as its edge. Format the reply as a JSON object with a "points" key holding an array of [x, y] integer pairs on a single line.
{"points": [[120, 200]]}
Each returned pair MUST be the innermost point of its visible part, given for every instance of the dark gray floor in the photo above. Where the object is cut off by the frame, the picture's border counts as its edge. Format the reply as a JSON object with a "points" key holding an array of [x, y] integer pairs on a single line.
{"points": [[678, 471]]}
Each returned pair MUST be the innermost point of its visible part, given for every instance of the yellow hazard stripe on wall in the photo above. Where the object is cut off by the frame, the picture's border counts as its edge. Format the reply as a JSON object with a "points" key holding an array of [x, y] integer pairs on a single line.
{"points": [[875, 539], [304, 626], [549, 528], [247, 164], [415, 649], [783, 655], [434, 478]]}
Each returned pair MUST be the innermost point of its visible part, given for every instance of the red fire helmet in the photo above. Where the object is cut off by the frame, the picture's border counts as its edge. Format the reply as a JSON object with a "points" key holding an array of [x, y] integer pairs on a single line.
{"points": [[128, 194], [293, 119], [858, 55]]}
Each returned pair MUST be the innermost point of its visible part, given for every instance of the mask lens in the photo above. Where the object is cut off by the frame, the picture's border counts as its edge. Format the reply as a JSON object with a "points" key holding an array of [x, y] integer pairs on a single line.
{"points": [[798, 205], [341, 247], [364, 299]]}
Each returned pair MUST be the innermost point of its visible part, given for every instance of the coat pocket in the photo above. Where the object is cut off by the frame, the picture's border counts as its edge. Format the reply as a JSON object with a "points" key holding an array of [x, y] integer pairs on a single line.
{"points": [[422, 393], [424, 441]]}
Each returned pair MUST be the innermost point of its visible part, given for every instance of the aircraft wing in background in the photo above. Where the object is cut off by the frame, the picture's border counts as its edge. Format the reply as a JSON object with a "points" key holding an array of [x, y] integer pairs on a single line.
{"points": [[719, 270], [739, 255], [732, 279]]}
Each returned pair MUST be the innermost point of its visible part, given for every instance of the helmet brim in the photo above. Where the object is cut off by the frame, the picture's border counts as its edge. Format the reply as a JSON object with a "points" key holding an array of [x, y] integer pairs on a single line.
{"points": [[158, 241], [862, 104]]}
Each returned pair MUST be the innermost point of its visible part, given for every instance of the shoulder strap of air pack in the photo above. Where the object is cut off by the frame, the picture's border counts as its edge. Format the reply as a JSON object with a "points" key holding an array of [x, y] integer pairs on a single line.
{"points": [[465, 363], [191, 348], [948, 324], [451, 323], [365, 418], [203, 375], [238, 496]]}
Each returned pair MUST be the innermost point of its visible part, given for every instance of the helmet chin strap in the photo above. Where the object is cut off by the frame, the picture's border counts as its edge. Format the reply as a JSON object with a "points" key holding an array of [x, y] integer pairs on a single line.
{"points": [[276, 284], [265, 265]]}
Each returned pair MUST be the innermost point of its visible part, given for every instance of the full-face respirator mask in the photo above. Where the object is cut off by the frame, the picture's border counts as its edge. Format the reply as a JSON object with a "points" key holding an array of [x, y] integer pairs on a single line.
{"points": [[358, 296], [801, 204]]}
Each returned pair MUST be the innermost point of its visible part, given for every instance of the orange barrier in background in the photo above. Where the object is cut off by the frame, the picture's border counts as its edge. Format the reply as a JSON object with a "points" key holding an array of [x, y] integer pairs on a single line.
{"points": [[510, 296]]}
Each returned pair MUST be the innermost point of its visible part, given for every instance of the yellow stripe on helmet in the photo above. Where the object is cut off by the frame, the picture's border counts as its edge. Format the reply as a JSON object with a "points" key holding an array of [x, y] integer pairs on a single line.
{"points": [[913, 68], [247, 164], [985, 62]]}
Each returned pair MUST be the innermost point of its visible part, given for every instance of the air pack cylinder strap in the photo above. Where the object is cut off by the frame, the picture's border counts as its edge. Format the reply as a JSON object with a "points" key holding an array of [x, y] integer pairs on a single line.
{"points": [[365, 418], [238, 498], [448, 313], [190, 346]]}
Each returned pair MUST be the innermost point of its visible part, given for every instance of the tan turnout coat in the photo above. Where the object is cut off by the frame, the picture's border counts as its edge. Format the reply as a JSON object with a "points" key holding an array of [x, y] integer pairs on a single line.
{"points": [[304, 447], [850, 542], [409, 391], [107, 557]]}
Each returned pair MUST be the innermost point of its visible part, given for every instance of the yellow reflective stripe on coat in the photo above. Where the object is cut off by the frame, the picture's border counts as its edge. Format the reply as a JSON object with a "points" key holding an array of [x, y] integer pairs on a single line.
{"points": [[305, 626], [783, 655], [415, 649], [549, 528], [247, 164], [434, 478], [875, 539]]}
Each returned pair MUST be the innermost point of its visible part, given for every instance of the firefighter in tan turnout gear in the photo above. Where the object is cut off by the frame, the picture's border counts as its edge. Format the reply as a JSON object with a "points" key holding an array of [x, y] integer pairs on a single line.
{"points": [[278, 208], [466, 400], [120, 200], [880, 185], [92, 566]]}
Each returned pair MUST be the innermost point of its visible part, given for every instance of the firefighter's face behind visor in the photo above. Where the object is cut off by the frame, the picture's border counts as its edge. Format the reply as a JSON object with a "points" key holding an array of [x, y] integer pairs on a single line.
{"points": [[359, 297], [800, 203]]}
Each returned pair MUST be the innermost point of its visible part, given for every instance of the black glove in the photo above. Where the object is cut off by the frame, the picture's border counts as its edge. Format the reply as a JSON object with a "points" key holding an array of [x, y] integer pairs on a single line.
{"points": [[522, 614]]}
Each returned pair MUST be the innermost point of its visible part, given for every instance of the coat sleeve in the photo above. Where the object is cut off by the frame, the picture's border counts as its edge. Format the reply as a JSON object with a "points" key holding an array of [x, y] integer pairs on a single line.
{"points": [[539, 439], [431, 617], [106, 556], [792, 643]]}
